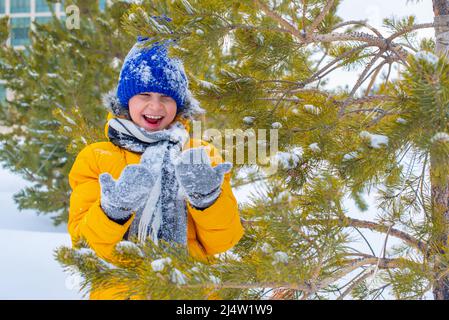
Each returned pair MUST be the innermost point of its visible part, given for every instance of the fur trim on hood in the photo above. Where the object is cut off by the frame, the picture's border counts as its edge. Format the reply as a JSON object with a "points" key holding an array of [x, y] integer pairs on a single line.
{"points": [[111, 102]]}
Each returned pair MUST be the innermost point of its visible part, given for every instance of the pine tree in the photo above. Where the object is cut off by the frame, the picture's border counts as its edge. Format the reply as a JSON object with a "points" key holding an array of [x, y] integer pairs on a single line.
{"points": [[335, 143], [57, 107]]}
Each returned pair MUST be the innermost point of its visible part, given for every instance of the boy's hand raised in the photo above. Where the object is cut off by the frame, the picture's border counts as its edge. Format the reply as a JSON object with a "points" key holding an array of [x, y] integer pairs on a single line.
{"points": [[200, 181], [126, 194]]}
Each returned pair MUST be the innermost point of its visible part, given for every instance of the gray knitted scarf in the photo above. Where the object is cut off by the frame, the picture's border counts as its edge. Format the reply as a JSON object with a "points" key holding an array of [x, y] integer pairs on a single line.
{"points": [[164, 215]]}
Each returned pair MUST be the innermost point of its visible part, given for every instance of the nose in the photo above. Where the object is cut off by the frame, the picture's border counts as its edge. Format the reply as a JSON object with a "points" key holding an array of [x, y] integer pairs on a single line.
{"points": [[154, 103]]}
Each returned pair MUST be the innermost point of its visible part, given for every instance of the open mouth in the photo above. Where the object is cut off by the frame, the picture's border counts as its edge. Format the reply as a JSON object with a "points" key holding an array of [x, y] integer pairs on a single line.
{"points": [[153, 120]]}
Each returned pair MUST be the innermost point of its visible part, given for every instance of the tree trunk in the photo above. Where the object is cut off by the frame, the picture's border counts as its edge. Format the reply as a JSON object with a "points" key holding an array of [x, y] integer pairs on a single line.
{"points": [[441, 13], [440, 185], [440, 217]]}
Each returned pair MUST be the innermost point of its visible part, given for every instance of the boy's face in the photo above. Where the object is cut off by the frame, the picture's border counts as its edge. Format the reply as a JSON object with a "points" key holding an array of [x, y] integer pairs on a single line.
{"points": [[152, 111]]}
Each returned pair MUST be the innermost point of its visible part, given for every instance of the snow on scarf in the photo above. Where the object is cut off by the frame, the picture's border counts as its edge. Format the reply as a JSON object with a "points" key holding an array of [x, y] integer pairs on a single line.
{"points": [[164, 215]]}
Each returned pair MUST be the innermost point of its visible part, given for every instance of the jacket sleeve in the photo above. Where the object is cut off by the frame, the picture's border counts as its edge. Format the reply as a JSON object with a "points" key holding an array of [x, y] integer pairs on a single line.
{"points": [[86, 218], [218, 227]]}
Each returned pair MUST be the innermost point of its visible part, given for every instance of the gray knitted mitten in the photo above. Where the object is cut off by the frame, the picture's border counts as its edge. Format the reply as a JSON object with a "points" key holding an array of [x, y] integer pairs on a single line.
{"points": [[200, 181], [126, 194]]}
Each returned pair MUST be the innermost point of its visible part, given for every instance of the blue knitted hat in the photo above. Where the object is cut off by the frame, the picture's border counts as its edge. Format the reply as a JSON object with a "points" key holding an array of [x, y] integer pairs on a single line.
{"points": [[150, 69]]}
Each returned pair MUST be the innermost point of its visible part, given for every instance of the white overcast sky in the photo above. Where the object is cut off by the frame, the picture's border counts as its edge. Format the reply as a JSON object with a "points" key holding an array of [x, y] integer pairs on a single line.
{"points": [[375, 11]]}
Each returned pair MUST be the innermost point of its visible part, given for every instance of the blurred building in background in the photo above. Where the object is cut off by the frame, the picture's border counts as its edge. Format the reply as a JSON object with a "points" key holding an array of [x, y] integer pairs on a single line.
{"points": [[22, 14]]}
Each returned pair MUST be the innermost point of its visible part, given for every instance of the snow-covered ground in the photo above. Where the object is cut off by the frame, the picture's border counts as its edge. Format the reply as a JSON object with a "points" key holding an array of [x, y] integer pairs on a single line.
{"points": [[28, 269], [27, 243]]}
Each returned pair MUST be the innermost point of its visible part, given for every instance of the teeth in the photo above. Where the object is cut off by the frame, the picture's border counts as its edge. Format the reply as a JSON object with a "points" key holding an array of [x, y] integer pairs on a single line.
{"points": [[153, 117]]}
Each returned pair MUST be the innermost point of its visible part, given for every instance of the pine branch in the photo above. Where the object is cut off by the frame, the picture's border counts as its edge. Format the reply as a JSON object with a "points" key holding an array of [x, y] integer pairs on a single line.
{"points": [[351, 36], [374, 77], [308, 286], [358, 22], [333, 62], [252, 180], [351, 222], [278, 18], [411, 29], [321, 16], [360, 81], [357, 263], [355, 283], [302, 286], [370, 99], [419, 244]]}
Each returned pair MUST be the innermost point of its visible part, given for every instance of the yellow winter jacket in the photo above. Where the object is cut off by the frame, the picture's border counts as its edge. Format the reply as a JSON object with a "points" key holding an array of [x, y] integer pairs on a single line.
{"points": [[209, 231]]}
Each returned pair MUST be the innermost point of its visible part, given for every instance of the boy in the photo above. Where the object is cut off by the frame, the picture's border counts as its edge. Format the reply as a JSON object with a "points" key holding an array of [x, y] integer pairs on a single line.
{"points": [[142, 182]]}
